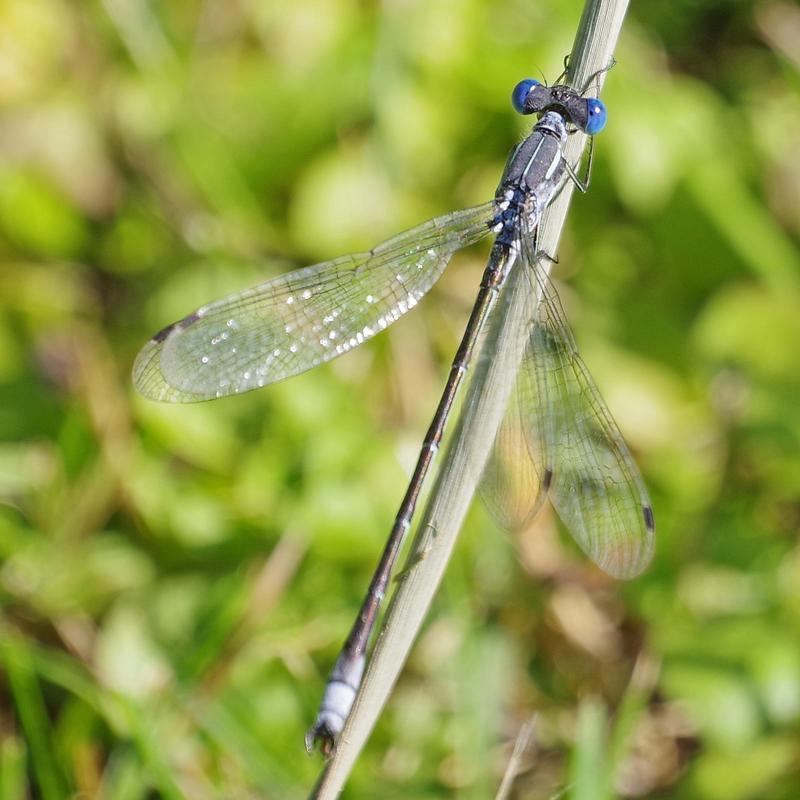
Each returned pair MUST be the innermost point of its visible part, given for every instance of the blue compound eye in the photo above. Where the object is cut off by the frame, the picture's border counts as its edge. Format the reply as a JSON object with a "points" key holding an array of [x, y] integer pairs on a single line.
{"points": [[520, 94], [596, 116]]}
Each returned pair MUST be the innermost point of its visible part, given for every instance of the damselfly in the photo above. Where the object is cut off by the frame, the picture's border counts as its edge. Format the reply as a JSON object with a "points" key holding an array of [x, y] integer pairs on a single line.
{"points": [[568, 438]]}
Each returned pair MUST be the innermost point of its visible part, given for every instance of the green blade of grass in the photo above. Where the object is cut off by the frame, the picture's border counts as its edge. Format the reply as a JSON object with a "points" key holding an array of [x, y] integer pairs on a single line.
{"points": [[30, 708], [471, 442]]}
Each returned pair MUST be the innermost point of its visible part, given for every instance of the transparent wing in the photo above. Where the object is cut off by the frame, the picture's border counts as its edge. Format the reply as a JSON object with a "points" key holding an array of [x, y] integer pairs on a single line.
{"points": [[575, 451], [294, 322], [511, 485]]}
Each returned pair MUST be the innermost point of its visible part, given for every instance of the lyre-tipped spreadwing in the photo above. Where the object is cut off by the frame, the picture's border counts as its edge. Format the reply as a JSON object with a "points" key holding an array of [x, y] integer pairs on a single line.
{"points": [[291, 323]]}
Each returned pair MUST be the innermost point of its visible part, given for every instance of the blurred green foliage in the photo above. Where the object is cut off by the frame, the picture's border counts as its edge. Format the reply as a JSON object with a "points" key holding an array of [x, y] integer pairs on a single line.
{"points": [[175, 581]]}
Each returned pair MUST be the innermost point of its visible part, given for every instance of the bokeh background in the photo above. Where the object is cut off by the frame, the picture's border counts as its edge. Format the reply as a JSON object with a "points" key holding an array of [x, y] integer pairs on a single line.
{"points": [[175, 581]]}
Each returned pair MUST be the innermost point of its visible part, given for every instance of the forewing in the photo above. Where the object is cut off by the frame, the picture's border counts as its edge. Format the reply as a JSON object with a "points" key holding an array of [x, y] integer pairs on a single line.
{"points": [[515, 478], [593, 482], [291, 323], [513, 486]]}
